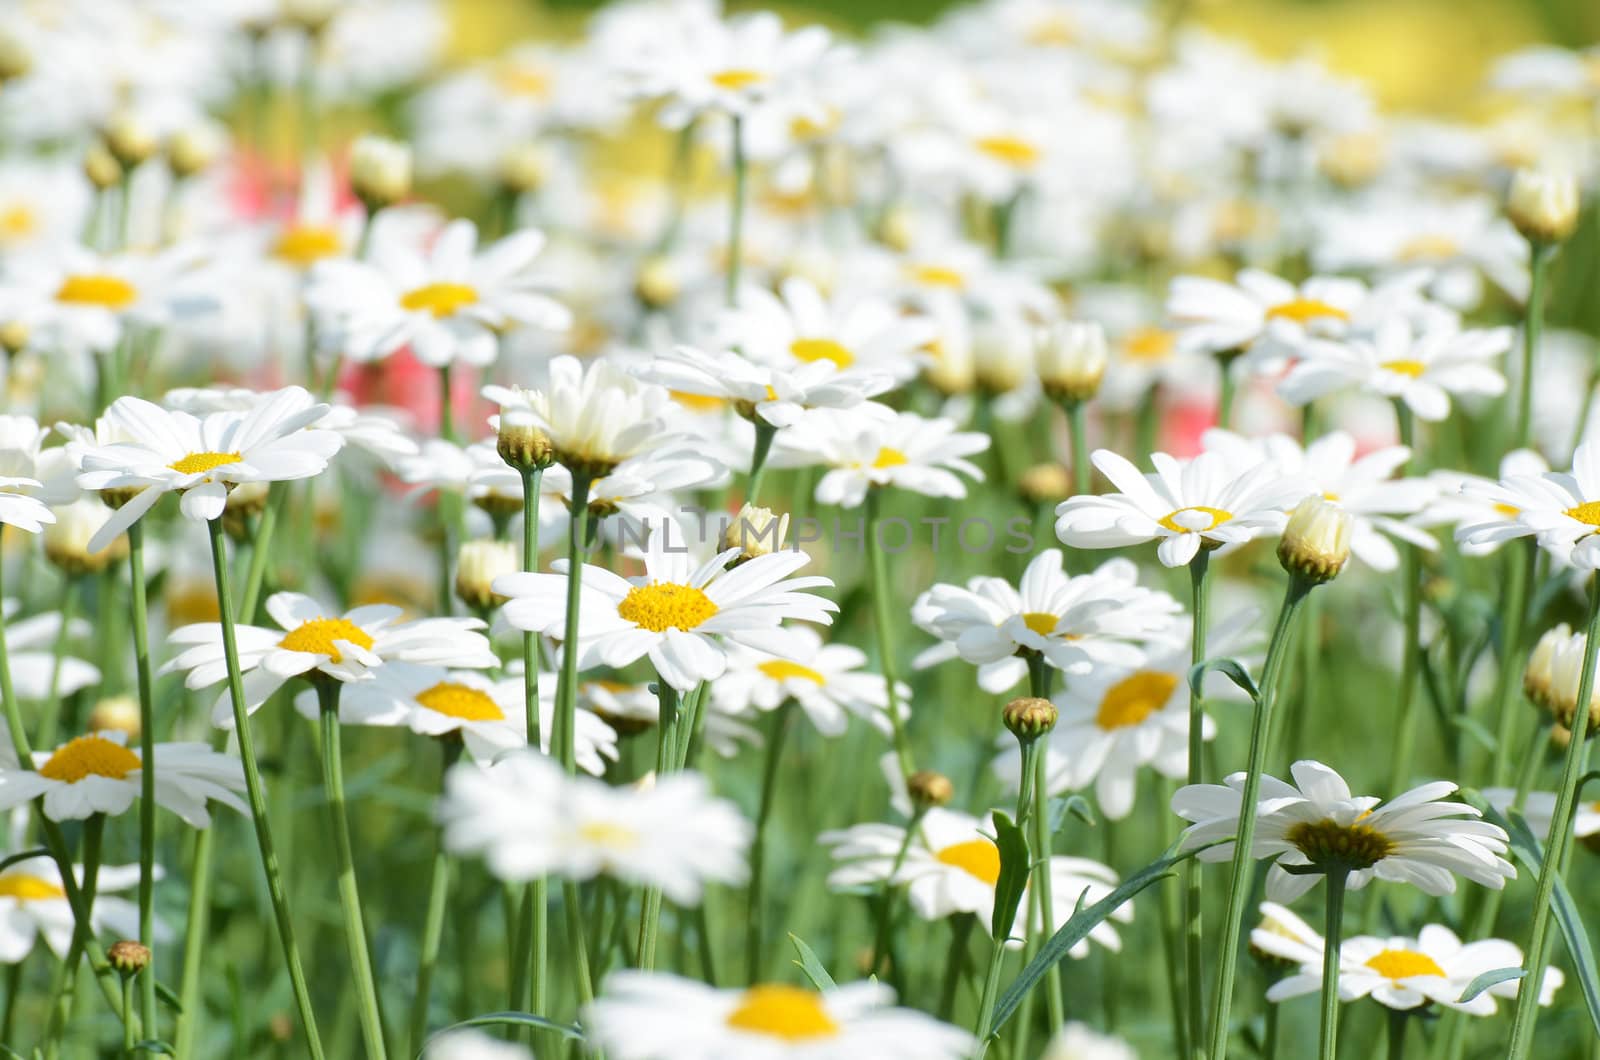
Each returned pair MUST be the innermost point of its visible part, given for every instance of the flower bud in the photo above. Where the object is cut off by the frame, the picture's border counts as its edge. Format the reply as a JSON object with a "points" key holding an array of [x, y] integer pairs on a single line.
{"points": [[117, 713], [1316, 543], [380, 171], [478, 564], [953, 370], [66, 541], [1543, 204], [521, 443], [1566, 675], [101, 168], [522, 169], [311, 16], [1003, 356], [194, 149], [128, 957], [130, 138], [657, 284], [1538, 680], [1029, 717], [929, 790], [1072, 360], [16, 59], [1045, 484], [14, 336], [755, 532]]}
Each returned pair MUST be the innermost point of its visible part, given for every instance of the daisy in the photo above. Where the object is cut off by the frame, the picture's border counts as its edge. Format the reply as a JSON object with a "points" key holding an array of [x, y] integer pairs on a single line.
{"points": [[20, 438], [680, 616], [450, 305], [1077, 624], [672, 834], [1562, 508], [312, 642], [34, 906], [1260, 309], [97, 773], [1406, 973], [852, 330], [951, 866], [379, 431], [1284, 937], [1466, 502], [1424, 368], [1205, 502], [778, 396], [657, 1016], [89, 301], [200, 457], [1539, 809], [595, 416], [38, 671], [904, 451], [827, 681], [489, 716], [1554, 673], [1414, 838]]}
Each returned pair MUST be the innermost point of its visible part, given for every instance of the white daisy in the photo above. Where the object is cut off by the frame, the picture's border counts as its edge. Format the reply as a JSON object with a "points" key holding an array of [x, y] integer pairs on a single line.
{"points": [[851, 331], [827, 681], [596, 416], [20, 439], [904, 451], [1258, 308], [90, 301], [1104, 618], [1562, 508], [778, 395], [34, 906], [672, 834], [656, 1016], [1205, 502], [36, 670], [1466, 502]]}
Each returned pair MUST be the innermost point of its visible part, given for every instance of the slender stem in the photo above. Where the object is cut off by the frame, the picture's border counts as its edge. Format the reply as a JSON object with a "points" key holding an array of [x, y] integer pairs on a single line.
{"points": [[666, 751], [765, 432], [82, 936], [575, 940], [1330, 964], [1076, 423], [1411, 567], [1045, 887], [1260, 735], [991, 990], [433, 924], [1269, 1034], [1193, 956], [1229, 390], [1538, 257], [257, 798], [147, 777], [1520, 563], [1172, 949], [960, 932], [49, 721], [127, 1028], [1558, 842], [754, 936], [736, 212], [260, 549], [13, 987], [563, 738], [886, 899], [447, 411], [881, 605], [1397, 1033], [194, 939], [539, 890]]}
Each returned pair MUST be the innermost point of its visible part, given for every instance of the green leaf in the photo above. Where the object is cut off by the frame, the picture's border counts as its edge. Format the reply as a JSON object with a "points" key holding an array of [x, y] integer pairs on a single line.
{"points": [[170, 996], [155, 1045], [1076, 805], [26, 855], [1014, 865], [1077, 928], [809, 964], [1488, 979], [517, 1019], [12, 1053], [1476, 729], [1232, 669]]}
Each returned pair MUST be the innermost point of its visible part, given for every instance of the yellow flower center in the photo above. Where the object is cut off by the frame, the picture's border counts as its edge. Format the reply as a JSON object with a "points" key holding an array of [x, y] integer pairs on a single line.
{"points": [[735, 79], [441, 299], [661, 606], [1428, 248], [938, 276], [1134, 698], [783, 670], [109, 292], [1588, 512], [524, 81], [1403, 964], [888, 457], [976, 857], [786, 1012], [608, 834], [809, 350], [317, 636], [1149, 344], [1217, 516], [1012, 150], [89, 756], [461, 701], [305, 245], [1353, 846], [1302, 310], [1040, 622], [25, 888], [199, 463], [17, 221], [1414, 369]]}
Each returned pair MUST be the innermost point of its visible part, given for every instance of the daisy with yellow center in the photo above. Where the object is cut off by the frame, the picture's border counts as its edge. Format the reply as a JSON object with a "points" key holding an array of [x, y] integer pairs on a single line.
{"points": [[1261, 314], [829, 682], [775, 395], [1561, 508], [683, 617], [34, 906], [872, 446], [1477, 507], [856, 332], [86, 301]]}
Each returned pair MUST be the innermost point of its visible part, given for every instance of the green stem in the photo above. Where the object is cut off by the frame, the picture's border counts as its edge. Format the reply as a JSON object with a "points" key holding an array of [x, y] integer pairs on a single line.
{"points": [[765, 433], [1229, 390], [1330, 964], [1076, 417], [127, 1028], [1411, 566], [960, 933], [447, 412], [539, 890], [736, 212], [1558, 842], [49, 720], [1538, 257], [1242, 874], [1524, 554], [1398, 1023], [1045, 887], [260, 549], [666, 751], [563, 738], [882, 619], [1193, 956], [147, 777], [433, 925], [991, 990], [886, 899], [82, 936], [257, 799], [754, 936]]}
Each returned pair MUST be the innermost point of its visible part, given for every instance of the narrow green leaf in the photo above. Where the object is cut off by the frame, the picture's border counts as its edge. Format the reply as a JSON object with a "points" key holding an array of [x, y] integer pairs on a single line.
{"points": [[12, 1053], [1488, 979], [1076, 805], [1078, 928], [809, 964], [1232, 669], [170, 996], [1015, 862], [26, 855], [1476, 729], [155, 1045]]}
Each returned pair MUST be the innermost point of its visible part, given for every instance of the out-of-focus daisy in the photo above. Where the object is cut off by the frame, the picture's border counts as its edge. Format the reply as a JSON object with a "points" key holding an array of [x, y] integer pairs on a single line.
{"points": [[655, 1016], [20, 438], [904, 451], [1465, 502], [777, 395], [37, 670], [1204, 503], [672, 834], [34, 906], [1076, 623], [97, 773], [1538, 808], [90, 300], [827, 681], [450, 305], [1562, 508], [1258, 308], [313, 640], [951, 866], [1413, 838], [678, 614], [1424, 369], [596, 415], [851, 330], [201, 458]]}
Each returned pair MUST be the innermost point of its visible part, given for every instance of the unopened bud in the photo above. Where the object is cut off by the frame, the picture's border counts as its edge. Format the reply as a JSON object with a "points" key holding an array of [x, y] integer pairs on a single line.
{"points": [[755, 532], [194, 149], [101, 168], [657, 284], [130, 138], [66, 541], [929, 790], [478, 564], [14, 335], [1045, 484], [1072, 360], [128, 957], [16, 60], [522, 169], [522, 444], [116, 713], [1543, 204], [1316, 543], [1029, 717], [380, 171], [1538, 679]]}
